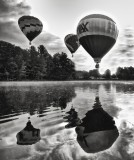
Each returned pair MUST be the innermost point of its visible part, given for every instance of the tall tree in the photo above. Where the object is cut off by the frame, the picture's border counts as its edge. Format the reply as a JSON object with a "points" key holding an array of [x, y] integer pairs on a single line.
{"points": [[46, 62], [33, 64], [64, 68], [94, 73], [107, 74]]}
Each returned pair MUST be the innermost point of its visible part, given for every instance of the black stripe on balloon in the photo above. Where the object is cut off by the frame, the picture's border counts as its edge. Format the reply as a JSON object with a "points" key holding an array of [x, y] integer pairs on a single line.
{"points": [[34, 25], [72, 42], [31, 35]]}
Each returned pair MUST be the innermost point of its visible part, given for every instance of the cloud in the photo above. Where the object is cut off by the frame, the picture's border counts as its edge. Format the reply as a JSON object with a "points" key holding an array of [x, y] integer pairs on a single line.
{"points": [[82, 60], [121, 55], [10, 11], [52, 43]]}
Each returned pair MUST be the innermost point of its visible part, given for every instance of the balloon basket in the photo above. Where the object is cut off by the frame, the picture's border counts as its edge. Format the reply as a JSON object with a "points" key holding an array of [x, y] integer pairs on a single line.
{"points": [[97, 66]]}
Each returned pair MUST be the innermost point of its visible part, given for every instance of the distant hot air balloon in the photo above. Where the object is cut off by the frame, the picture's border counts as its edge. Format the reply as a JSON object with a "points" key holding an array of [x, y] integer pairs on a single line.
{"points": [[97, 34], [72, 42], [30, 26]]}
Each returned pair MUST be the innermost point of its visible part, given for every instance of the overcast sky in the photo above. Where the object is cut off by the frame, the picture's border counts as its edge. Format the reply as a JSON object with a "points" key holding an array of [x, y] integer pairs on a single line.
{"points": [[60, 17]]}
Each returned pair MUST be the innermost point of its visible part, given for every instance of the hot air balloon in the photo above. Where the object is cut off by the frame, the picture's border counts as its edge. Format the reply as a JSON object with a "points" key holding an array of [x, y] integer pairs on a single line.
{"points": [[98, 131], [29, 135], [97, 34], [72, 42], [30, 26], [72, 118]]}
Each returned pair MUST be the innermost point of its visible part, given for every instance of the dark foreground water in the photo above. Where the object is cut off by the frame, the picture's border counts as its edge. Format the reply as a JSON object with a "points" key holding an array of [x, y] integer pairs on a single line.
{"points": [[47, 104]]}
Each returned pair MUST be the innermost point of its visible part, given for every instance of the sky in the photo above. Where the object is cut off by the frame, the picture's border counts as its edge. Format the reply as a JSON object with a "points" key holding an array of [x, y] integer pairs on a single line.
{"points": [[61, 17]]}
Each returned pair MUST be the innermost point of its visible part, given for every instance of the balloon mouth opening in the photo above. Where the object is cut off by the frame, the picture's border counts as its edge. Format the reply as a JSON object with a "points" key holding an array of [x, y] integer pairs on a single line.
{"points": [[97, 60]]}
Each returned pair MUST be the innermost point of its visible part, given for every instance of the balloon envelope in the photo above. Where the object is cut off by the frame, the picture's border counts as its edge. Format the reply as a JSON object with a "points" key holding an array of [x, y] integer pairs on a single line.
{"points": [[29, 135], [72, 42], [30, 26], [97, 132], [97, 34], [97, 141]]}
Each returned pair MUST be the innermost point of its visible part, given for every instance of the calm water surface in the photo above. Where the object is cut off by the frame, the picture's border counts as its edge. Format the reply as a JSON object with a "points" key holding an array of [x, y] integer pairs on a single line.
{"points": [[47, 104]]}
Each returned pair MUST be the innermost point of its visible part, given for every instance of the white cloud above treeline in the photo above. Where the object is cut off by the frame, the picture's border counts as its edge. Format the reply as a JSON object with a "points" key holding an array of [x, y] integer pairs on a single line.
{"points": [[10, 11]]}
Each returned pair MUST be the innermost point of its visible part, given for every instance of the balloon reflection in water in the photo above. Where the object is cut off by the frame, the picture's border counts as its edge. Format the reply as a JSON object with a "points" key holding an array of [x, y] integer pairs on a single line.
{"points": [[72, 118], [97, 132], [29, 135]]}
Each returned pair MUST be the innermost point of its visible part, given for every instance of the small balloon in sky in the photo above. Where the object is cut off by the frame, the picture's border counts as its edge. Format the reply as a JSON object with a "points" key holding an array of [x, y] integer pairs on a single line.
{"points": [[97, 34], [72, 42], [30, 26]]}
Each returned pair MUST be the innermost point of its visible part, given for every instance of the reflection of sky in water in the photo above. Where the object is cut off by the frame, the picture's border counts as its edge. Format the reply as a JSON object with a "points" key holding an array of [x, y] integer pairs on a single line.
{"points": [[57, 142]]}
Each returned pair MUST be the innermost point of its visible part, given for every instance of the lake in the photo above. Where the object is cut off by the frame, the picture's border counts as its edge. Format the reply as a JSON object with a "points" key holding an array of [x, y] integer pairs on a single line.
{"points": [[47, 104]]}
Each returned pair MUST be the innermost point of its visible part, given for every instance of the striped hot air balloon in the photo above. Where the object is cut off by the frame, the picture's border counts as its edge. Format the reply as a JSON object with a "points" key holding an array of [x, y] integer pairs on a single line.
{"points": [[30, 26], [72, 42], [97, 34], [29, 135]]}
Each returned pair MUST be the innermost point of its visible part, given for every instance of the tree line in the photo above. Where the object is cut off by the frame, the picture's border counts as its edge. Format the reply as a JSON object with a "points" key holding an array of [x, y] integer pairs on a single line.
{"points": [[17, 64], [122, 73]]}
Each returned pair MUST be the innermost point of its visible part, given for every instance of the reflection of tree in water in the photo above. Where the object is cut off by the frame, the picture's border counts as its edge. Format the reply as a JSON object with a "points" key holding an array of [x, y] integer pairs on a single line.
{"points": [[107, 86], [35, 99], [61, 96], [124, 88], [5, 106], [92, 86], [97, 131], [104, 88], [7, 111]]}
